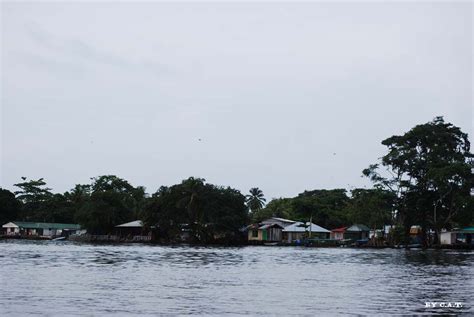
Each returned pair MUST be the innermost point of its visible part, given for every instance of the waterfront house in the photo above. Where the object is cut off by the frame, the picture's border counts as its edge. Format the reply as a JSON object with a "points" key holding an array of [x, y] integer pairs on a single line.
{"points": [[130, 228], [338, 233], [281, 229], [354, 232], [268, 230], [457, 237], [133, 231], [39, 229], [416, 235], [357, 232], [271, 232], [300, 230]]}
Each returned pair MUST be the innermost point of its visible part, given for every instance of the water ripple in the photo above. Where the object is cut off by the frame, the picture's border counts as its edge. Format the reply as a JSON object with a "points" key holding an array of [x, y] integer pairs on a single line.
{"points": [[78, 279]]}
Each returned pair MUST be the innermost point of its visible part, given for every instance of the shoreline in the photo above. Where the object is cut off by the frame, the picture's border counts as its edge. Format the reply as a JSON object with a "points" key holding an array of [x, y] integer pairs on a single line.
{"points": [[154, 243]]}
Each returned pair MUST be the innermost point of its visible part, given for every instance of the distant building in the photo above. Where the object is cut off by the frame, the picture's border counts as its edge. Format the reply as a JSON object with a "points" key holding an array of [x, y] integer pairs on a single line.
{"points": [[280, 229], [457, 237], [271, 232], [133, 231], [299, 230], [354, 232], [357, 232], [338, 233], [40, 229]]}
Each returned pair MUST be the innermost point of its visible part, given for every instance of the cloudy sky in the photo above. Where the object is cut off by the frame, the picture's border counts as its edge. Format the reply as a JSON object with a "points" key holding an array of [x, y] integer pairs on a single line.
{"points": [[285, 97]]}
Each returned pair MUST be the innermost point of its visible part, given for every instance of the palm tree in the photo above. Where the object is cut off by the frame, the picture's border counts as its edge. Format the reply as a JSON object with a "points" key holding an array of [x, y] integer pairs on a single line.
{"points": [[193, 189], [255, 201]]}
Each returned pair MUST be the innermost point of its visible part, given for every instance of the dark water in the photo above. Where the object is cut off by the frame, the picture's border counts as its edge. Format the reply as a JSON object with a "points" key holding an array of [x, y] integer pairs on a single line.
{"points": [[64, 279]]}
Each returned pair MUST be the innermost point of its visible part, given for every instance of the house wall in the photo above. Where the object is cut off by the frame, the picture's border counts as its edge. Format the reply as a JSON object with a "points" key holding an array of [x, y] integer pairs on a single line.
{"points": [[447, 238], [273, 234], [292, 236], [12, 231], [337, 235], [34, 232], [51, 232], [252, 238], [356, 235], [320, 235]]}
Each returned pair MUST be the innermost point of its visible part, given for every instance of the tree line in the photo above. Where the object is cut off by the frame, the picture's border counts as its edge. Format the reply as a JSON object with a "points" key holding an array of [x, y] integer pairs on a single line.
{"points": [[424, 179]]}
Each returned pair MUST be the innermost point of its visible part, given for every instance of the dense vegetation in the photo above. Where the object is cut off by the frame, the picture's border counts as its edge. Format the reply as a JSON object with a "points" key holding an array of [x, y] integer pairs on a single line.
{"points": [[425, 179]]}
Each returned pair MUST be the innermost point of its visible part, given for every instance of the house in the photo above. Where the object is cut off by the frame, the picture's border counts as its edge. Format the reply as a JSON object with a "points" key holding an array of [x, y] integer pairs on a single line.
{"points": [[460, 236], [268, 230], [357, 232], [300, 230], [281, 229], [354, 232], [39, 229], [338, 233], [133, 231], [416, 235], [271, 232], [130, 228]]}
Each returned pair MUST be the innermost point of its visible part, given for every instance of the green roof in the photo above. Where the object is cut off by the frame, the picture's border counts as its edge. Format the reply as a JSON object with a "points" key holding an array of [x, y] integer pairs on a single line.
{"points": [[46, 225], [467, 230]]}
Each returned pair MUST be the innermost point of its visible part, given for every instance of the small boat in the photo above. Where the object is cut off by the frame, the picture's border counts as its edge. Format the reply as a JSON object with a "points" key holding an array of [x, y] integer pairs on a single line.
{"points": [[59, 239], [414, 246], [270, 243]]}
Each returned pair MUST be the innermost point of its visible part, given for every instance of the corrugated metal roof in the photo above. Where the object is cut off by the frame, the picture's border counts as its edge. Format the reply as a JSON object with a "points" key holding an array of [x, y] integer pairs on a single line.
{"points": [[283, 219], [46, 225], [358, 228], [299, 227], [270, 225], [276, 219], [342, 229], [131, 224]]}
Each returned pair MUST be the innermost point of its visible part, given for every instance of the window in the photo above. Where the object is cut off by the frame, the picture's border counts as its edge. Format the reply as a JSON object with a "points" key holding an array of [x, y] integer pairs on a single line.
{"points": [[254, 233]]}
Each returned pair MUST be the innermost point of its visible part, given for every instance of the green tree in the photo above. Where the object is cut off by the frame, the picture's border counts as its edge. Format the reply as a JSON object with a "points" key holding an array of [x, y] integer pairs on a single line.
{"points": [[57, 208], [428, 170], [278, 207], [209, 212], [112, 201], [255, 200], [79, 194], [9, 206], [32, 191], [372, 207], [325, 207], [33, 194], [191, 201]]}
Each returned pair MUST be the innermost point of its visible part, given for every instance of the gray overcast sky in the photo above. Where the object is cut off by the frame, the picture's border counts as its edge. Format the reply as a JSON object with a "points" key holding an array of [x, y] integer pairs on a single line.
{"points": [[273, 90]]}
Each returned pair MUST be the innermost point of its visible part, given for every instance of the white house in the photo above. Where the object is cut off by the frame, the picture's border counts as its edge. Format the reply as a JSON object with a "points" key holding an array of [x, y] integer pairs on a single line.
{"points": [[447, 237], [298, 230], [459, 236], [41, 229]]}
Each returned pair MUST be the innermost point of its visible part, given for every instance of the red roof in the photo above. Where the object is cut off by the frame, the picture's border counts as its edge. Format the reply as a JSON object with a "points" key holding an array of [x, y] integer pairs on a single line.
{"points": [[343, 229]]}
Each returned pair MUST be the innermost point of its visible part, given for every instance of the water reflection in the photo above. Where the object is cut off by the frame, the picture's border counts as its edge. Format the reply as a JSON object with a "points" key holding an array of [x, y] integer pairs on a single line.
{"points": [[79, 279]]}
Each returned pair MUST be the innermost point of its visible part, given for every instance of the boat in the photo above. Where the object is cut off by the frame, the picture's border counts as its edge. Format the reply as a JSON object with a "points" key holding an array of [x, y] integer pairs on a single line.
{"points": [[59, 239], [414, 246], [270, 243]]}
